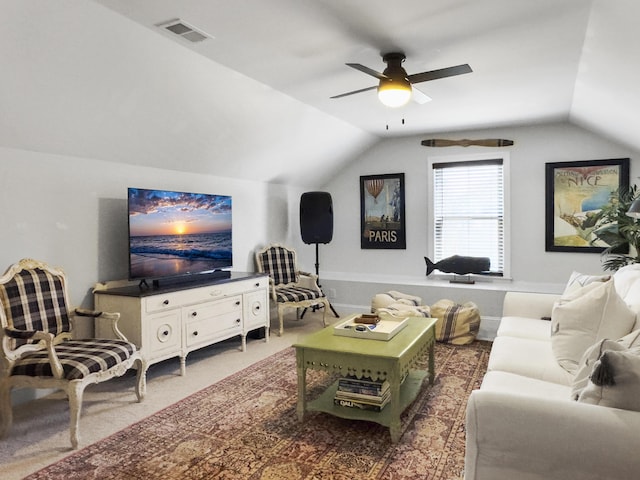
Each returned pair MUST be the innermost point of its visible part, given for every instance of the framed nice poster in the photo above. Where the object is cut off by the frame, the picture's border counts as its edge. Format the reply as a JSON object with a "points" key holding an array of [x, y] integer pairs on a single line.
{"points": [[575, 194], [382, 222]]}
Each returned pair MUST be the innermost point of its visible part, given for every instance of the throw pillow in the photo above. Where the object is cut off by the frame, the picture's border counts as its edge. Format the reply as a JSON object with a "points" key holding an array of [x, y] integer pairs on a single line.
{"points": [[457, 324], [578, 280], [593, 354], [580, 319], [590, 357], [615, 380]]}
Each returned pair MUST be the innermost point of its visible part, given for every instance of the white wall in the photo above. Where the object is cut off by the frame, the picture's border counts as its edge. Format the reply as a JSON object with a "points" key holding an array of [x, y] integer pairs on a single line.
{"points": [[72, 212], [532, 268]]}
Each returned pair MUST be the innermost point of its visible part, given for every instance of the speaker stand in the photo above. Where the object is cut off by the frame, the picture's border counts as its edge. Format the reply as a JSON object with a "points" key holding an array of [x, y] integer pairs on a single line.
{"points": [[316, 307]]}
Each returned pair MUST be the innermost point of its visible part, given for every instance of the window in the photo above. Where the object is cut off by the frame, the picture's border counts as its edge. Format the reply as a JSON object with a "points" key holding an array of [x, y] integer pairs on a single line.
{"points": [[469, 195]]}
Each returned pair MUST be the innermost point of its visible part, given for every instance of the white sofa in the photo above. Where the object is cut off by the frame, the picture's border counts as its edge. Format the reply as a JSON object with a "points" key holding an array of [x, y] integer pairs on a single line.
{"points": [[523, 422]]}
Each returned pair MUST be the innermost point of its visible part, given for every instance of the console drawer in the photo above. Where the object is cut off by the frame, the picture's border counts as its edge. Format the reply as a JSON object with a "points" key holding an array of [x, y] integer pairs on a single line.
{"points": [[167, 301], [164, 333], [255, 309], [206, 329], [198, 295], [214, 309]]}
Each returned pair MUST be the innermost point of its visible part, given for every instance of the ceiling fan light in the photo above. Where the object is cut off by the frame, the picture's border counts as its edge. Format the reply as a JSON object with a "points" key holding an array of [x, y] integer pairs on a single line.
{"points": [[394, 93]]}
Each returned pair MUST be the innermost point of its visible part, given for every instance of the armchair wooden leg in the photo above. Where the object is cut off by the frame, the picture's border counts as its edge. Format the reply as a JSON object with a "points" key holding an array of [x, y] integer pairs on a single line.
{"points": [[75, 392], [141, 379], [281, 319], [6, 412], [324, 312]]}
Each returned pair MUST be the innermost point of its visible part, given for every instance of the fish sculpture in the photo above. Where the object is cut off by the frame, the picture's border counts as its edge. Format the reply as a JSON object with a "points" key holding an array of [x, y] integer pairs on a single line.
{"points": [[459, 265]]}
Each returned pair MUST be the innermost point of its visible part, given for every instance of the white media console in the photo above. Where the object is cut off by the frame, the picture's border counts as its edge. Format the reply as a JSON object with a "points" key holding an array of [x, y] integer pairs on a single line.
{"points": [[175, 319]]}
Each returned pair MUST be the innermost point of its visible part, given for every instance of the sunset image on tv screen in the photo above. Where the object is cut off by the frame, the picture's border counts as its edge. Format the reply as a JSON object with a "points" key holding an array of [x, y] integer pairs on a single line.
{"points": [[176, 233]]}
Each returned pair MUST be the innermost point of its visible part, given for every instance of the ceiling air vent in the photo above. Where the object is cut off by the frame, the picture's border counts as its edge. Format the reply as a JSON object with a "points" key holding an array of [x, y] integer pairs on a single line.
{"points": [[184, 30]]}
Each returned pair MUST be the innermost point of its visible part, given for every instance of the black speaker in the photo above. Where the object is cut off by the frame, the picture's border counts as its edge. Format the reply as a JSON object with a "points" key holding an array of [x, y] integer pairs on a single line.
{"points": [[316, 217]]}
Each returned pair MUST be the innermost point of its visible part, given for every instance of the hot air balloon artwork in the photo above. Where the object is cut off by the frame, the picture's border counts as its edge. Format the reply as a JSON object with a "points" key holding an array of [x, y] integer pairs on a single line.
{"points": [[374, 187], [382, 223]]}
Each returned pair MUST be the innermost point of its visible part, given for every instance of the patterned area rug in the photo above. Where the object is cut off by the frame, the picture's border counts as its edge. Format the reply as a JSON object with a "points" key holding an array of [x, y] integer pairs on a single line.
{"points": [[245, 427]]}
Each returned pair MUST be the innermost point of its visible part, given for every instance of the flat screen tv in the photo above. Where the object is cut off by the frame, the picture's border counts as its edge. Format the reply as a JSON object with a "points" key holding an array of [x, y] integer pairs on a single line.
{"points": [[173, 234]]}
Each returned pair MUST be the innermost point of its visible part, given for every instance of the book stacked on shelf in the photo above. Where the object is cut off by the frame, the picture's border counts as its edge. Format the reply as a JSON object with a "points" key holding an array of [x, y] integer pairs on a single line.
{"points": [[362, 393]]}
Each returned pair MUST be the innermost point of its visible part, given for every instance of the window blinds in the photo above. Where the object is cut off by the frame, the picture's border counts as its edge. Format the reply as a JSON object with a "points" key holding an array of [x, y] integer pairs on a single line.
{"points": [[469, 210]]}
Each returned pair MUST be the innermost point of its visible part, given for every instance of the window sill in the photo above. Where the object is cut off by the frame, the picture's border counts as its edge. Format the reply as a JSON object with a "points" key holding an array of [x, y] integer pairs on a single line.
{"points": [[482, 282]]}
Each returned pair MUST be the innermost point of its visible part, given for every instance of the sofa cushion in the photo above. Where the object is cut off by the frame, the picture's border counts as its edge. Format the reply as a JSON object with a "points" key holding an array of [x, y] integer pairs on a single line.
{"points": [[615, 380], [505, 382], [457, 323], [524, 328], [527, 357], [578, 320], [578, 280]]}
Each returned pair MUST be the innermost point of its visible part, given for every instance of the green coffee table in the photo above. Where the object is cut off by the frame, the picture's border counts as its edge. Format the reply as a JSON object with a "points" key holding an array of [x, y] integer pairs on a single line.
{"points": [[394, 360]]}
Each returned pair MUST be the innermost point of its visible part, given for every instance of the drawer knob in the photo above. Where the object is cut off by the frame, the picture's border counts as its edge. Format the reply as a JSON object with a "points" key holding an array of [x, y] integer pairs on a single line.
{"points": [[194, 314], [195, 334], [164, 333], [257, 284], [238, 302], [166, 302], [238, 321]]}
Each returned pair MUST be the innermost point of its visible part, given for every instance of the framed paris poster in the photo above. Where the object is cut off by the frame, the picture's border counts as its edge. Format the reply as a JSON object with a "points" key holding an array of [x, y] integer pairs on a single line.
{"points": [[382, 222], [575, 194]]}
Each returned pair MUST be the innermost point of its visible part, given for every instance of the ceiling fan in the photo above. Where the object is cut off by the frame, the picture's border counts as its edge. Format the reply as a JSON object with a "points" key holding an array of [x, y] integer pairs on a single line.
{"points": [[394, 89]]}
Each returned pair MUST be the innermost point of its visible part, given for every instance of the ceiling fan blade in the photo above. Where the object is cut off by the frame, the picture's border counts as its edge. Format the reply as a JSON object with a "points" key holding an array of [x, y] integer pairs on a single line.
{"points": [[441, 73], [355, 91], [419, 97], [368, 71]]}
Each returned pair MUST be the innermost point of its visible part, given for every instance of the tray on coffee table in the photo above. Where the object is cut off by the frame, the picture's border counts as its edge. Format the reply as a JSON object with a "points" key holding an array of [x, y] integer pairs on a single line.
{"points": [[385, 329]]}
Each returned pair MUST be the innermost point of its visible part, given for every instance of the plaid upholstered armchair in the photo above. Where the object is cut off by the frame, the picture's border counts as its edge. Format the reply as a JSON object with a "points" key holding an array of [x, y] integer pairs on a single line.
{"points": [[38, 350], [290, 288]]}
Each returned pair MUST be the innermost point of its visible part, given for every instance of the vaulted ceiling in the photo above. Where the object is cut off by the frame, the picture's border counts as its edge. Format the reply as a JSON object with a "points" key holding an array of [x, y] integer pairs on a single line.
{"points": [[103, 80]]}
